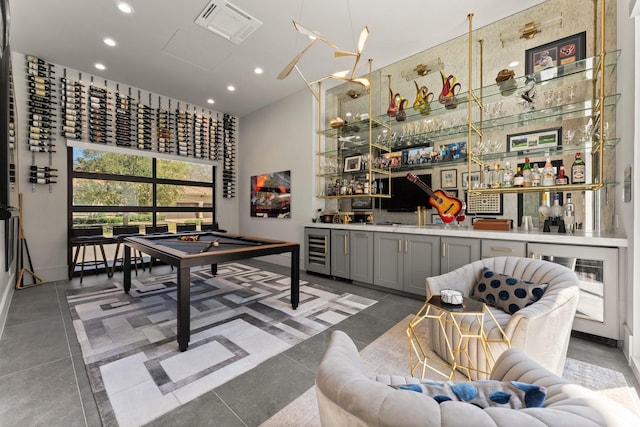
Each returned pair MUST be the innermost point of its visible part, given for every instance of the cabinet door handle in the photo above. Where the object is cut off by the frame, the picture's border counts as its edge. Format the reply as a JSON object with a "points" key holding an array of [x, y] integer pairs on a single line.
{"points": [[406, 246], [346, 247], [399, 246], [499, 249], [326, 246], [444, 250]]}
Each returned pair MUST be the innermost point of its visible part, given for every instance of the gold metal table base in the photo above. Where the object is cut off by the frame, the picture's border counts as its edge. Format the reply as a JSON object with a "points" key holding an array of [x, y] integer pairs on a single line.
{"points": [[451, 315]]}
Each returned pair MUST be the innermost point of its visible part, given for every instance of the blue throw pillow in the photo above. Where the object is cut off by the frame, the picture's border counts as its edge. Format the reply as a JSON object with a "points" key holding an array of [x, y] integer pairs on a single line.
{"points": [[506, 293], [483, 394]]}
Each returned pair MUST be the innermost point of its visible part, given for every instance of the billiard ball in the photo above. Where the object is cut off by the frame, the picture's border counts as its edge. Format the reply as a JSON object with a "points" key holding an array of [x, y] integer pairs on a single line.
{"points": [[216, 244]]}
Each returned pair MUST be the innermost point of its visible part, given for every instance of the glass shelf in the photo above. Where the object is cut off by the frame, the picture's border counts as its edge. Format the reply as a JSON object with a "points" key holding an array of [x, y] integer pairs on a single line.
{"points": [[564, 75]]}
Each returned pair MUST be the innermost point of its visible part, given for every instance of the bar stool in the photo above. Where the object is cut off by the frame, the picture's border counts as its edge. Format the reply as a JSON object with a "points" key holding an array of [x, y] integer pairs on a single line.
{"points": [[185, 227], [119, 233], [93, 237], [158, 229]]}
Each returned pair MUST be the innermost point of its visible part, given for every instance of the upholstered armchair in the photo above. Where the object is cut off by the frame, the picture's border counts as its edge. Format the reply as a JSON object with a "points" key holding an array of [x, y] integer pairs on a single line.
{"points": [[349, 396], [542, 329]]}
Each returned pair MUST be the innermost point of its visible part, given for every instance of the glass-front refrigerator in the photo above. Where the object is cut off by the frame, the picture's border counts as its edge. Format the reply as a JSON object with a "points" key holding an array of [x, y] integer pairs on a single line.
{"points": [[597, 271]]}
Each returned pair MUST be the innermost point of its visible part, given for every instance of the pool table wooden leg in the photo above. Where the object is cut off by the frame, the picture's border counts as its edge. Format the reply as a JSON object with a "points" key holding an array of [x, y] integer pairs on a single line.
{"points": [[184, 307]]}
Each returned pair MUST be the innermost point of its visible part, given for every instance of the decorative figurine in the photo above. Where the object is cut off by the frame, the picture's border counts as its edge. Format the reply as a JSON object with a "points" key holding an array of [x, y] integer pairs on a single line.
{"points": [[449, 91]]}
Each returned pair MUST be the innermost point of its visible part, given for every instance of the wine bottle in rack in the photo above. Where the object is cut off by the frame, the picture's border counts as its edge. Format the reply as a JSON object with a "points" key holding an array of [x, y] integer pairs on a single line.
{"points": [[42, 149], [42, 181]]}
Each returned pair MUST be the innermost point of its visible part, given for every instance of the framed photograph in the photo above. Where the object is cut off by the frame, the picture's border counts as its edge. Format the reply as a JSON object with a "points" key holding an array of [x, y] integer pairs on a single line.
{"points": [[548, 59], [352, 164], [475, 179], [532, 140], [435, 219], [449, 178]]}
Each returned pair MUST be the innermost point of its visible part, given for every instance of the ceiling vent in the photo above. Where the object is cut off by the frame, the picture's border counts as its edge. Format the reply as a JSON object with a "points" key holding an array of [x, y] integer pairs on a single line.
{"points": [[228, 21]]}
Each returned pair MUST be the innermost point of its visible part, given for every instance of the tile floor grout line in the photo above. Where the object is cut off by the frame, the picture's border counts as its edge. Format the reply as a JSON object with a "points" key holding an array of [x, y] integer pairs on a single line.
{"points": [[229, 407], [73, 365]]}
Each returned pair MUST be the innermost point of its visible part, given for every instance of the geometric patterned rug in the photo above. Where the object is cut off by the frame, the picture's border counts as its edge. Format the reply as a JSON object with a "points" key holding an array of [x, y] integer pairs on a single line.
{"points": [[239, 318]]}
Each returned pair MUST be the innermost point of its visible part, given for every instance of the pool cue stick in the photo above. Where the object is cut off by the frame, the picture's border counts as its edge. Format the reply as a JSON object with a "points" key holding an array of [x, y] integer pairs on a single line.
{"points": [[23, 243], [209, 246], [203, 242]]}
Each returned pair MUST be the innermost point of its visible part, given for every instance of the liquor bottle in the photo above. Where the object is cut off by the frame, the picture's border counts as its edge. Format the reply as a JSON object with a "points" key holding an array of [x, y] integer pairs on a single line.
{"points": [[518, 178], [486, 177], [548, 174], [545, 209], [536, 175], [562, 178], [526, 173], [556, 209], [578, 170], [507, 176], [496, 176], [569, 214]]}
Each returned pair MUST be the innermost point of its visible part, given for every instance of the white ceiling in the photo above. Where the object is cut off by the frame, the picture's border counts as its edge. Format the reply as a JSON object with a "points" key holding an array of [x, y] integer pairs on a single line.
{"points": [[161, 50]]}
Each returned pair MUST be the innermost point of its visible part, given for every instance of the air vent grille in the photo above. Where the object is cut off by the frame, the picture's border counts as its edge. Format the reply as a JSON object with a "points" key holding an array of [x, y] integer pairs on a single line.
{"points": [[227, 20]]}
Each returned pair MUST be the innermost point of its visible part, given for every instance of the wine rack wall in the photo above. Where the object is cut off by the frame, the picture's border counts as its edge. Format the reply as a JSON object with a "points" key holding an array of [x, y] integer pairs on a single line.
{"points": [[90, 112], [42, 104]]}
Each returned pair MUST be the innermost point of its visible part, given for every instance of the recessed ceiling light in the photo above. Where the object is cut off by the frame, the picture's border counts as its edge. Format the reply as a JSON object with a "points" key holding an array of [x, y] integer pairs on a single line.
{"points": [[513, 64], [100, 66], [109, 41], [125, 7], [258, 70], [231, 88], [210, 101]]}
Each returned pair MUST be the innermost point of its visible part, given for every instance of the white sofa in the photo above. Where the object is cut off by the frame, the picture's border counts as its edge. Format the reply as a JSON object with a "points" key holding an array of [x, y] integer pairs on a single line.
{"points": [[348, 397], [542, 330]]}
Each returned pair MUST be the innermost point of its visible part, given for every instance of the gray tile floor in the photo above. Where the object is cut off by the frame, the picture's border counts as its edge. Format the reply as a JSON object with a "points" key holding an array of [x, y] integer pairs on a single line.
{"points": [[43, 380]]}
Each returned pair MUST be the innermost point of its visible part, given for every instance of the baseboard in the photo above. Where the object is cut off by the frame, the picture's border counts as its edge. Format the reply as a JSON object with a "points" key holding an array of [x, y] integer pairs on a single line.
{"points": [[610, 342]]}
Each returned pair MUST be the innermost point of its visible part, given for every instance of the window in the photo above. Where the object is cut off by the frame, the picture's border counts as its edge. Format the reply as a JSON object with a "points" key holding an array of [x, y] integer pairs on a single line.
{"points": [[110, 188]]}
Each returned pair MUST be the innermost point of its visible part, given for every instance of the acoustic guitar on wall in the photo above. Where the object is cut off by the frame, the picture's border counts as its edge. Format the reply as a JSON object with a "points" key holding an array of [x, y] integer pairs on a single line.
{"points": [[447, 207]]}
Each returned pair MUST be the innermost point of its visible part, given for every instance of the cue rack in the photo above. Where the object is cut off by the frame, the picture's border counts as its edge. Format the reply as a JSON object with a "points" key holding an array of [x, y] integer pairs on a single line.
{"points": [[90, 112]]}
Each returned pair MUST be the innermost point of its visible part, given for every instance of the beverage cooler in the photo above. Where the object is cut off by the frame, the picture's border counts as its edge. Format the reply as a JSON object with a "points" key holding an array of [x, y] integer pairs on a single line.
{"points": [[317, 258], [597, 271]]}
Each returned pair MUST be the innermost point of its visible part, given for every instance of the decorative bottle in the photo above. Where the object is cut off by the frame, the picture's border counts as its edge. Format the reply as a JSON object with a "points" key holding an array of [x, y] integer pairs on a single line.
{"points": [[561, 179]]}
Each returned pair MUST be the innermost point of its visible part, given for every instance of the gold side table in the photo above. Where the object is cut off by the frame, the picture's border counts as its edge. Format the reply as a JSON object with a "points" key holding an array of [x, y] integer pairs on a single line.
{"points": [[447, 314]]}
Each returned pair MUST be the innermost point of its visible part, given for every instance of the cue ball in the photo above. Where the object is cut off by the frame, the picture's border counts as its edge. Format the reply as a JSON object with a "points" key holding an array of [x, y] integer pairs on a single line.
{"points": [[216, 244]]}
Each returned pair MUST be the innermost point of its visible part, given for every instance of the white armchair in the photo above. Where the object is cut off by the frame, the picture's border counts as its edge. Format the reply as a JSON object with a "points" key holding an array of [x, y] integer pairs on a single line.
{"points": [[542, 329]]}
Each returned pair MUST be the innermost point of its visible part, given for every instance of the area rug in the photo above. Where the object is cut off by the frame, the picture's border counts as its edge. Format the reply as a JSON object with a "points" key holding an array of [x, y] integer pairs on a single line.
{"points": [[389, 354], [239, 318]]}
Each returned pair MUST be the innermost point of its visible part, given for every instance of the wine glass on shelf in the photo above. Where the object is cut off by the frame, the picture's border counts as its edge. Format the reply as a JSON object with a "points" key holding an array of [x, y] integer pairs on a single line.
{"points": [[461, 216]]}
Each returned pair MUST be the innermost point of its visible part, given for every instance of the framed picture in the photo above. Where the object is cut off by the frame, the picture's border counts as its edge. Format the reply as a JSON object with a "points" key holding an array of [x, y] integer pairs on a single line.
{"points": [[271, 195], [532, 140], [352, 164], [475, 179], [451, 193], [435, 219], [548, 59], [449, 178], [362, 203]]}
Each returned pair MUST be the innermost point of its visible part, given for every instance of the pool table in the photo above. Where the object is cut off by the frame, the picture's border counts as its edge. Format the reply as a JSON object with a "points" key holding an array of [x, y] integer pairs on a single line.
{"points": [[190, 249]]}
